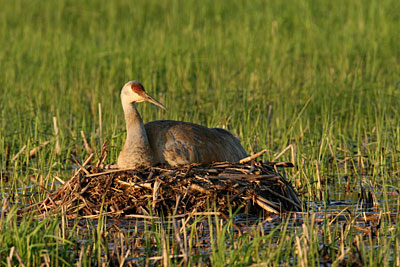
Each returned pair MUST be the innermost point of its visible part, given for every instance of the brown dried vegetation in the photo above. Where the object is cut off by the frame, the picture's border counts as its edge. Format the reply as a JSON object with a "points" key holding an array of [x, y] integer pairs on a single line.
{"points": [[251, 186]]}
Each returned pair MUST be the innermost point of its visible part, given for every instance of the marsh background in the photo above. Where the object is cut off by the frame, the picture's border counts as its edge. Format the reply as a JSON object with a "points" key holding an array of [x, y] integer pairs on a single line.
{"points": [[321, 76]]}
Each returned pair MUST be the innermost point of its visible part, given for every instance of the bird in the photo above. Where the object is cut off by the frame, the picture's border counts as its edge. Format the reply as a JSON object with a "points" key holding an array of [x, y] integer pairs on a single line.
{"points": [[174, 143]]}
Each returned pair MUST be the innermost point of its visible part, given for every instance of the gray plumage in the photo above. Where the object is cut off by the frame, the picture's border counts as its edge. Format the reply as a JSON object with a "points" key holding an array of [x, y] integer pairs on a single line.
{"points": [[172, 142]]}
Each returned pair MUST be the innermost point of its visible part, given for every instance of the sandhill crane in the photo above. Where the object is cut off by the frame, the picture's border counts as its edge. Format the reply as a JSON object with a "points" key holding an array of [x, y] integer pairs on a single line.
{"points": [[172, 142]]}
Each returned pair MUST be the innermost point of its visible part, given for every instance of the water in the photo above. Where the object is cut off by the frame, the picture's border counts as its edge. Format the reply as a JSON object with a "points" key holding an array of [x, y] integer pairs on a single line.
{"points": [[140, 236]]}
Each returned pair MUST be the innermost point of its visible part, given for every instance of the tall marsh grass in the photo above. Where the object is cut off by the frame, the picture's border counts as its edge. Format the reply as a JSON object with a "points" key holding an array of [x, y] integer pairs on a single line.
{"points": [[321, 76]]}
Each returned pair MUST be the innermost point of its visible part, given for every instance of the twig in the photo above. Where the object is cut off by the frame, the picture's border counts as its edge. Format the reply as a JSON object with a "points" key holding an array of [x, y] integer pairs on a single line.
{"points": [[34, 151], [178, 237], [87, 147], [156, 186], [234, 225], [281, 164], [199, 188], [100, 129], [19, 152], [110, 171], [282, 152], [341, 257], [266, 207], [81, 167], [164, 252], [9, 259], [139, 216], [103, 154], [122, 263], [319, 184], [250, 158], [59, 179], [283, 197], [58, 148]]}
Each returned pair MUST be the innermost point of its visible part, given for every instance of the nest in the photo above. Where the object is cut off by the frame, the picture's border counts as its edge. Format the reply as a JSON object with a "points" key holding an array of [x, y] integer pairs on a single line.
{"points": [[253, 187]]}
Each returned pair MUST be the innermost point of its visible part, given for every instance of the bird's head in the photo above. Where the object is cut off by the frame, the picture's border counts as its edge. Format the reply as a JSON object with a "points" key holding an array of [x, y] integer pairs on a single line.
{"points": [[133, 92]]}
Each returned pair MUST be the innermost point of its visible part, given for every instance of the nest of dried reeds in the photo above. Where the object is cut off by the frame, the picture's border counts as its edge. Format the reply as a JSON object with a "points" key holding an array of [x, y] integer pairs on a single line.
{"points": [[249, 185]]}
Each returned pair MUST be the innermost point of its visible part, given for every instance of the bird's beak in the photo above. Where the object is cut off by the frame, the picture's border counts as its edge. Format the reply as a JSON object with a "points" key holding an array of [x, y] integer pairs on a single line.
{"points": [[153, 101]]}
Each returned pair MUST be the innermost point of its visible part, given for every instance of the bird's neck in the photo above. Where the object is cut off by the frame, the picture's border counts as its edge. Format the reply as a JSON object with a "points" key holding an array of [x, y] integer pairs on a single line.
{"points": [[136, 137]]}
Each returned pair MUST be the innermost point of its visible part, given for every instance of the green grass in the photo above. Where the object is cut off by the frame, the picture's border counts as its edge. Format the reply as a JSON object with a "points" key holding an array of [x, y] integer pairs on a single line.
{"points": [[322, 76]]}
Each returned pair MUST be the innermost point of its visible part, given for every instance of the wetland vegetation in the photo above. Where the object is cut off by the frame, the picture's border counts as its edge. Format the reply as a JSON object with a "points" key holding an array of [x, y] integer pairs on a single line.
{"points": [[314, 82]]}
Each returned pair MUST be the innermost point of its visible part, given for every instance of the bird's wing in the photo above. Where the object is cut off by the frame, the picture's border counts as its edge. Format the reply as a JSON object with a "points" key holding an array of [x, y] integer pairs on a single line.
{"points": [[180, 143]]}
